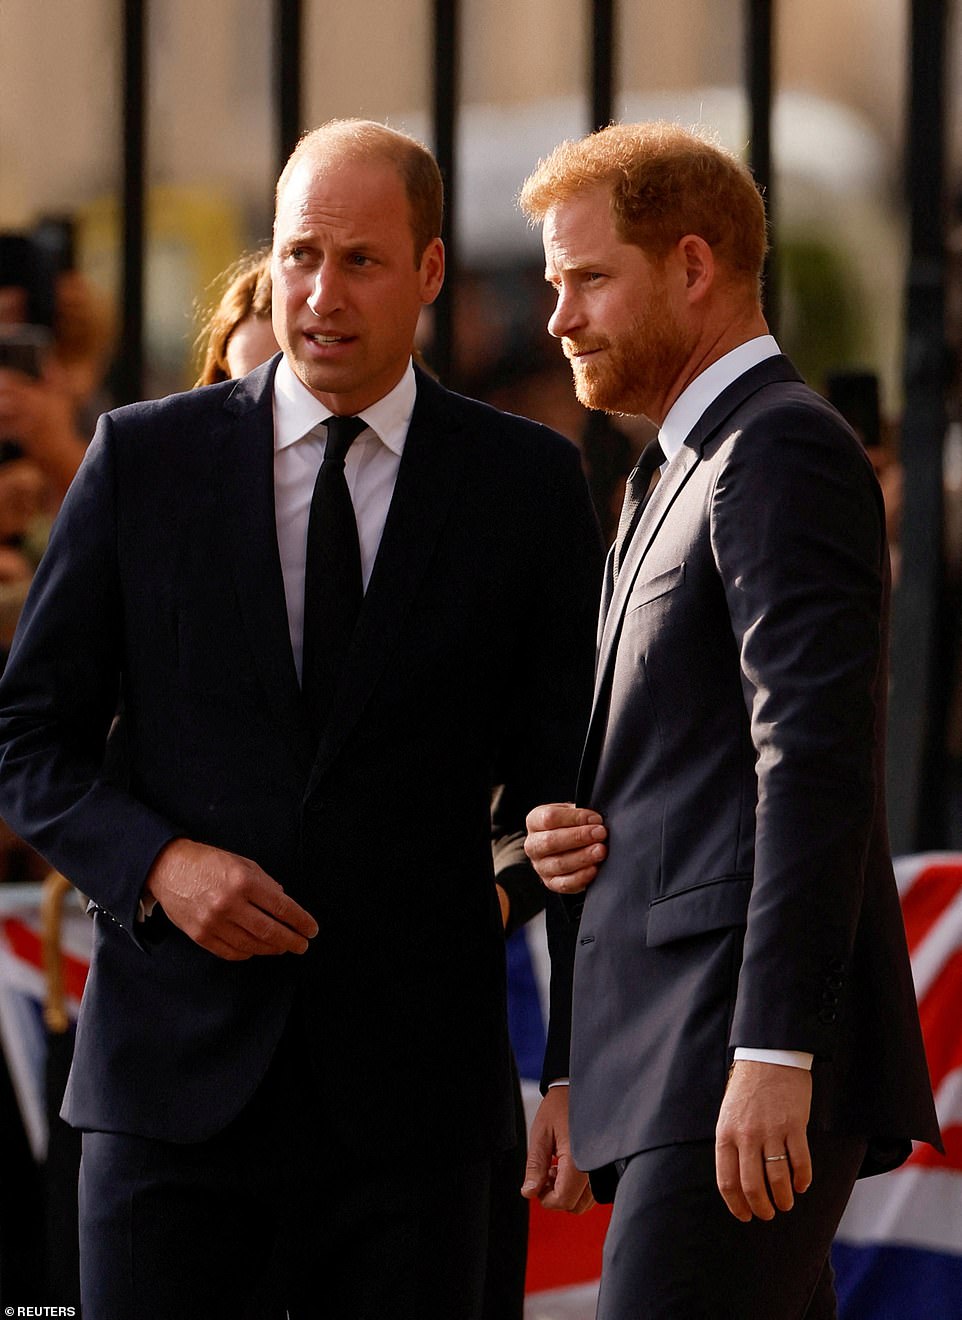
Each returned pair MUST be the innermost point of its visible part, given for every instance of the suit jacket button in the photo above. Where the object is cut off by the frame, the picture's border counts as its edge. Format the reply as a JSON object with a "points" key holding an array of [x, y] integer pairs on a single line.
{"points": [[827, 1016]]}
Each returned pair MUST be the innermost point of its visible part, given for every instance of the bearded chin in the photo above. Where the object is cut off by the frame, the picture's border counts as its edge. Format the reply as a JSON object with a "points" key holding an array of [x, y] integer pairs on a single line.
{"points": [[584, 389], [603, 391]]}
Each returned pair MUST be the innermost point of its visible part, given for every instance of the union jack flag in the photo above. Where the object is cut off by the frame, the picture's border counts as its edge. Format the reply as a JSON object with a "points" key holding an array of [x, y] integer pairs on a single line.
{"points": [[898, 1251], [23, 990], [564, 1251]]}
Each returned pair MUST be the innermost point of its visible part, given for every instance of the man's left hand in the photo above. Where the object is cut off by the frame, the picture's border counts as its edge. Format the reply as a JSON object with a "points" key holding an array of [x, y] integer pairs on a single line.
{"points": [[551, 1176], [761, 1148]]}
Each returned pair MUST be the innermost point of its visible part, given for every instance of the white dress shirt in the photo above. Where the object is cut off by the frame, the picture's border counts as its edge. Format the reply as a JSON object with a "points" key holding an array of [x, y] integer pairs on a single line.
{"points": [[695, 400], [690, 405], [370, 469]]}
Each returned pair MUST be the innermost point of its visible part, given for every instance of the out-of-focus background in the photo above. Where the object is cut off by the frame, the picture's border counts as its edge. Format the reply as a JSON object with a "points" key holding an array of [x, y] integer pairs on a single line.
{"points": [[144, 138], [139, 145]]}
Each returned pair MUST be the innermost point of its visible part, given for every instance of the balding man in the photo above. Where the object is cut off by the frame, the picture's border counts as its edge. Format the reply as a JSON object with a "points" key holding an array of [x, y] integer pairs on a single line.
{"points": [[339, 604]]}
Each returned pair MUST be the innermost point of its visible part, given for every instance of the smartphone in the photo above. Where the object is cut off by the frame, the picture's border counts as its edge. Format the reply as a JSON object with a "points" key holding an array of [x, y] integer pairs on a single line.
{"points": [[32, 262], [23, 348], [55, 238]]}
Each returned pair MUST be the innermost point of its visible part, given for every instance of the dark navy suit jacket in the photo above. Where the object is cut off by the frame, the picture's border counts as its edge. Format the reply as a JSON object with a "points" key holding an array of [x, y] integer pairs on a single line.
{"points": [[161, 593], [736, 752]]}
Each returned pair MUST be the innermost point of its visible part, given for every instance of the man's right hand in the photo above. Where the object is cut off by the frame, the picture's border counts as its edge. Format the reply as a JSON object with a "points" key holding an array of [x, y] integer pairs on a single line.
{"points": [[551, 1174], [565, 845], [225, 903]]}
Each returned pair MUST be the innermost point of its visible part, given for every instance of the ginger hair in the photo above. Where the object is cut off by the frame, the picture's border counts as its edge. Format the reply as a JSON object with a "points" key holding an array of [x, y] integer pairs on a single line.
{"points": [[247, 293], [665, 182]]}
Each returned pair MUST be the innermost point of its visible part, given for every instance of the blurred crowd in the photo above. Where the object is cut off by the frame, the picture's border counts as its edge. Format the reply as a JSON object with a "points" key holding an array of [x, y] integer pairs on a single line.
{"points": [[56, 341]]}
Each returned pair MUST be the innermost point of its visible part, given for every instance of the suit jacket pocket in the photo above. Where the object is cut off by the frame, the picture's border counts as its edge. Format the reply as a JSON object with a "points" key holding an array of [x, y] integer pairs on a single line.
{"points": [[709, 906], [644, 592]]}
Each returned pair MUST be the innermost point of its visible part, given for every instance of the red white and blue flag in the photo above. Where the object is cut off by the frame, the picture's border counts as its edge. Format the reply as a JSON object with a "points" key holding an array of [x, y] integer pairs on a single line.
{"points": [[564, 1251], [898, 1251], [898, 1254], [23, 1035]]}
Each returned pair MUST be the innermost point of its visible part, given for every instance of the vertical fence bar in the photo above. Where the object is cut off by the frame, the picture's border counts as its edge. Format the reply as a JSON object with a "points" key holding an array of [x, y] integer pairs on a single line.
{"points": [[602, 62], [447, 29], [288, 36], [919, 692], [759, 63], [129, 372], [606, 454]]}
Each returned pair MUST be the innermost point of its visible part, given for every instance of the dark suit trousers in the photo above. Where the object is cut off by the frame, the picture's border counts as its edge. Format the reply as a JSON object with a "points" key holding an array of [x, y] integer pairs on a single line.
{"points": [[508, 1227], [265, 1218], [674, 1251]]}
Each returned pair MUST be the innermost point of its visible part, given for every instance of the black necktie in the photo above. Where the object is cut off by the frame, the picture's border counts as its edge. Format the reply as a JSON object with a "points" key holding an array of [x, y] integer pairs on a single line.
{"points": [[333, 586], [637, 489]]}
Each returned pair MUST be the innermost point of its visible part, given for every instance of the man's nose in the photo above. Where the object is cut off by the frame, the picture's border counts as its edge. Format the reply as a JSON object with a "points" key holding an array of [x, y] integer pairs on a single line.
{"points": [[326, 294], [565, 316]]}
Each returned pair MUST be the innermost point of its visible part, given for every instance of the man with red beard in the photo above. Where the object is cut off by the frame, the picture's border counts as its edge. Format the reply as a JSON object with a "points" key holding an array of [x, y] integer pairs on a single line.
{"points": [[744, 1034]]}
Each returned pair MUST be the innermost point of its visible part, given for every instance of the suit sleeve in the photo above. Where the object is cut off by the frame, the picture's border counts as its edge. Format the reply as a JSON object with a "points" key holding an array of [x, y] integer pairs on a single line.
{"points": [[555, 673], [59, 695], [515, 874], [799, 541]]}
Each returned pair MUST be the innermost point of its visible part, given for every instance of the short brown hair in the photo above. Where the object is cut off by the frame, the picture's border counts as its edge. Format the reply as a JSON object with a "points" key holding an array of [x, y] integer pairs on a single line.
{"points": [[247, 293], [365, 139], [666, 182]]}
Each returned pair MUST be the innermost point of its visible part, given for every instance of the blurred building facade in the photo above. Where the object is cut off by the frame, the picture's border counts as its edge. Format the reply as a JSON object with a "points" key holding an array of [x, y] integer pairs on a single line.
{"points": [[838, 138], [839, 191]]}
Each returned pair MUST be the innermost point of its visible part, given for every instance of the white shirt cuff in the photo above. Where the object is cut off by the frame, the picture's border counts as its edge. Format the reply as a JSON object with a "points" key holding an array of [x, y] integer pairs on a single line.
{"points": [[145, 908], [786, 1058]]}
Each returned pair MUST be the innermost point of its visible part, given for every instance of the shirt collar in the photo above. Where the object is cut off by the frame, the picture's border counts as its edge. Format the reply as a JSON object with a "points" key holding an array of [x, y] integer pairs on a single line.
{"points": [[697, 397], [297, 411]]}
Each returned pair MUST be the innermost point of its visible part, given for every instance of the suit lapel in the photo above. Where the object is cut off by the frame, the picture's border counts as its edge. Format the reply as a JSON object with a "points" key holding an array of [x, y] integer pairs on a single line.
{"points": [[653, 514], [431, 471], [773, 369], [607, 591], [246, 469]]}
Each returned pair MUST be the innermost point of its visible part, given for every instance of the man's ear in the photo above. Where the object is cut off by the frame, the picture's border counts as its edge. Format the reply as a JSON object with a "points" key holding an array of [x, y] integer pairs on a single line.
{"points": [[431, 271], [698, 262]]}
